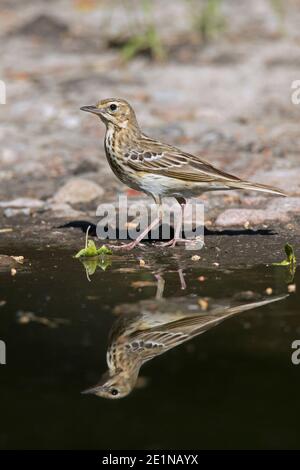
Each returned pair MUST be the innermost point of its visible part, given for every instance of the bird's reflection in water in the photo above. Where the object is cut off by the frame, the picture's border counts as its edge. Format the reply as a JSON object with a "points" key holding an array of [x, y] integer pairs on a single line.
{"points": [[148, 328]]}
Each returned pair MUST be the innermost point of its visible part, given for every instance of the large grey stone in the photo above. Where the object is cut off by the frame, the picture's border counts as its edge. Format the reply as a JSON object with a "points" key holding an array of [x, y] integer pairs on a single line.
{"points": [[22, 202], [280, 209], [234, 217], [78, 190], [62, 210]]}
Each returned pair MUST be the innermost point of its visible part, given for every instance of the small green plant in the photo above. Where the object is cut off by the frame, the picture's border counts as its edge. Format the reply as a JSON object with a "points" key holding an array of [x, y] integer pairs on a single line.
{"points": [[93, 257], [290, 257], [90, 250], [210, 22], [290, 262]]}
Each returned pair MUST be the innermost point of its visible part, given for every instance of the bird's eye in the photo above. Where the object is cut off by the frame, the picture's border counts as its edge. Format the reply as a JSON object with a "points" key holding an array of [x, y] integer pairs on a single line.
{"points": [[113, 107], [114, 392]]}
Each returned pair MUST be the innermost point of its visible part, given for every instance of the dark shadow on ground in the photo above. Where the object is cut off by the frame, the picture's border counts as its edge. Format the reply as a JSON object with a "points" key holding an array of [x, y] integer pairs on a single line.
{"points": [[236, 232], [83, 225]]}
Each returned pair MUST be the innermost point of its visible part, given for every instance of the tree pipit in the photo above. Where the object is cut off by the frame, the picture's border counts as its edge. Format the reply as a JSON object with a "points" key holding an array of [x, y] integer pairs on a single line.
{"points": [[158, 169]]}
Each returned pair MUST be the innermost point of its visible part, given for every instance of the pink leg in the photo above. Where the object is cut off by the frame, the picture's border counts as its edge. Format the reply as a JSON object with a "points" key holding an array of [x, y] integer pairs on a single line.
{"points": [[134, 243], [178, 227]]}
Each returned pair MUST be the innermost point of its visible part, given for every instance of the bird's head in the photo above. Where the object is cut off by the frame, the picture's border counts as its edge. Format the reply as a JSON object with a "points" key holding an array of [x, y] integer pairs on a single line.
{"points": [[114, 386], [113, 111]]}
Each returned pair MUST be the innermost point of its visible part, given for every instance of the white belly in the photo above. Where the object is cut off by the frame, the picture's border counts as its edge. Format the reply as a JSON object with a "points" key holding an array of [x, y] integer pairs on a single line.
{"points": [[163, 186]]}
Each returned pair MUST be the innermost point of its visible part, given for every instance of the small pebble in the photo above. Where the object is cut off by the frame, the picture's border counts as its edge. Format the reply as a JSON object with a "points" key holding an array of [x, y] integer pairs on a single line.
{"points": [[13, 271], [269, 291], [195, 258], [291, 288], [14, 212], [201, 278], [18, 259], [142, 263], [203, 304]]}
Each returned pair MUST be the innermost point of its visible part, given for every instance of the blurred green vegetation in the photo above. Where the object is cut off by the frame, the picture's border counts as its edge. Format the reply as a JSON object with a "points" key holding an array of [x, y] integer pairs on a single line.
{"points": [[145, 37], [207, 23], [208, 19], [279, 9], [146, 42], [142, 36]]}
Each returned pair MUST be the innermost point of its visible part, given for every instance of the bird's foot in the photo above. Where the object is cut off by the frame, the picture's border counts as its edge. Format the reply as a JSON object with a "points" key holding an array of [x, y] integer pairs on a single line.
{"points": [[172, 243], [125, 246]]}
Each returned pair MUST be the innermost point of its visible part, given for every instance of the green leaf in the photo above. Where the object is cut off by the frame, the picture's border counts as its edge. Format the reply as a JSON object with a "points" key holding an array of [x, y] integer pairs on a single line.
{"points": [[93, 257], [104, 263], [88, 251], [90, 266], [282, 263], [290, 257], [104, 251], [289, 262]]}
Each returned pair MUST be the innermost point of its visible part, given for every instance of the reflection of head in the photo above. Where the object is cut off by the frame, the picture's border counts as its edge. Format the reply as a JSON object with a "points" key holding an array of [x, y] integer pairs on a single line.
{"points": [[114, 386]]}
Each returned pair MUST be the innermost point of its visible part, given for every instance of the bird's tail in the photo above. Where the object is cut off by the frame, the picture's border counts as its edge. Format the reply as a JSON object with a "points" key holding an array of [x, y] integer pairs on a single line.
{"points": [[256, 187]]}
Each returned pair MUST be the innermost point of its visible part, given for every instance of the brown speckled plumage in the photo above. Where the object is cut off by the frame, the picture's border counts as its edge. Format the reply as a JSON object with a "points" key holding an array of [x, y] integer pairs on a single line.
{"points": [[158, 169], [149, 328]]}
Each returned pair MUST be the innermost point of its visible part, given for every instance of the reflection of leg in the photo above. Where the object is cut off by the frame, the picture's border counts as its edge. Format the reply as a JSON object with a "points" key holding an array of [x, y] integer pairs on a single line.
{"points": [[134, 243], [160, 286]]}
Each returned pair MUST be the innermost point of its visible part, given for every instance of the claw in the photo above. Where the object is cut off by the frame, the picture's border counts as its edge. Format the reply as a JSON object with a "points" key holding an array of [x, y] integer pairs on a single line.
{"points": [[125, 246], [172, 243]]}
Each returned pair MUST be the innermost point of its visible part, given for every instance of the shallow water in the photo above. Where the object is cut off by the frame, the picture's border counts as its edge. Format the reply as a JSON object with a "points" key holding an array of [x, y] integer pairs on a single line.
{"points": [[234, 386]]}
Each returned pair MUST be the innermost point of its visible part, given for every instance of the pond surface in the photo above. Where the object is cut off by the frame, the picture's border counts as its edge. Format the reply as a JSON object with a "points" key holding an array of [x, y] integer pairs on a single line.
{"points": [[234, 386]]}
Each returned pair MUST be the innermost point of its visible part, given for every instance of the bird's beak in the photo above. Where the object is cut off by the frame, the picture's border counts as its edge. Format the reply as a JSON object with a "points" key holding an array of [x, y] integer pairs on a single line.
{"points": [[92, 390], [92, 109]]}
